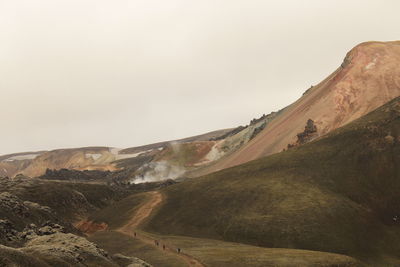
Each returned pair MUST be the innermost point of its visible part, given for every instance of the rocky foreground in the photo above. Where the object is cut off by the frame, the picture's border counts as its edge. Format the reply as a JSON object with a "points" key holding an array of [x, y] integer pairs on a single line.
{"points": [[32, 234]]}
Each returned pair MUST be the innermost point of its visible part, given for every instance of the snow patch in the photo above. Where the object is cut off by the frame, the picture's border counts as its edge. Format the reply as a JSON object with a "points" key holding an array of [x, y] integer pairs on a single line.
{"points": [[93, 156], [22, 157], [115, 152]]}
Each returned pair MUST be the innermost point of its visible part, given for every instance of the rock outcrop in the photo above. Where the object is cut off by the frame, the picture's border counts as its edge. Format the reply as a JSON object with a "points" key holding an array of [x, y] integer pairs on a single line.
{"points": [[32, 234], [309, 132], [60, 249]]}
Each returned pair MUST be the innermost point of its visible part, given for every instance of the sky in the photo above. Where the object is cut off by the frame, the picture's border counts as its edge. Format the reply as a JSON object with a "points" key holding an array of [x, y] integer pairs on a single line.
{"points": [[124, 73]]}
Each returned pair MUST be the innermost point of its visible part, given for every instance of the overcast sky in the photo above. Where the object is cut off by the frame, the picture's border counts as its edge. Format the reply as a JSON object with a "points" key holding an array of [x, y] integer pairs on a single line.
{"points": [[130, 72]]}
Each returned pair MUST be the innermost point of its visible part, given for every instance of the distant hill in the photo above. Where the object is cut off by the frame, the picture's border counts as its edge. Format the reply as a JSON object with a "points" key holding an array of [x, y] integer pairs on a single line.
{"points": [[340, 193], [35, 164]]}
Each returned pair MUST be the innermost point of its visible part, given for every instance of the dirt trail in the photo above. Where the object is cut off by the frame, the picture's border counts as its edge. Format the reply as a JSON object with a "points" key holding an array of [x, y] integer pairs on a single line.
{"points": [[155, 198], [143, 212]]}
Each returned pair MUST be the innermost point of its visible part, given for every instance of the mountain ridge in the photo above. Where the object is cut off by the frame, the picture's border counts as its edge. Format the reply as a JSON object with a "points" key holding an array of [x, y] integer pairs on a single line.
{"points": [[368, 77]]}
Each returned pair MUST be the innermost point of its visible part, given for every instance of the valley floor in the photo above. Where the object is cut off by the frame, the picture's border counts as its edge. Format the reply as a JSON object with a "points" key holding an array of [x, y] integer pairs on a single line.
{"points": [[198, 251]]}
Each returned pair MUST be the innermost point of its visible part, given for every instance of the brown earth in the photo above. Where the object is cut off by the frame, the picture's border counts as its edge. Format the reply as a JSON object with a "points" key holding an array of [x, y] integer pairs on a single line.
{"points": [[90, 227], [186, 154]]}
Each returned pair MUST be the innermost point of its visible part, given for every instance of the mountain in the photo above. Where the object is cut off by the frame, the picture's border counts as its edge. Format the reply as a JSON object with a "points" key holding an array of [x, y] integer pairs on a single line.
{"points": [[336, 194], [368, 78]]}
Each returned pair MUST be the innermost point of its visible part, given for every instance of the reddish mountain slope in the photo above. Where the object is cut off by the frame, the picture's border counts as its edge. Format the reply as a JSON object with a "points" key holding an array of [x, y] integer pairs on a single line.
{"points": [[368, 78]]}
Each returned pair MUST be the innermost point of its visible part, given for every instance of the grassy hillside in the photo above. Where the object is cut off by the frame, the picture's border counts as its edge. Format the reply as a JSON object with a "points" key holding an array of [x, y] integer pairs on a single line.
{"points": [[120, 212], [214, 253], [338, 194]]}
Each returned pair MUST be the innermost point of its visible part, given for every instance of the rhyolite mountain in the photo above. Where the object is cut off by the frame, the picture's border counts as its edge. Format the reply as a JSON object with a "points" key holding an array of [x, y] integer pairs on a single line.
{"points": [[368, 78]]}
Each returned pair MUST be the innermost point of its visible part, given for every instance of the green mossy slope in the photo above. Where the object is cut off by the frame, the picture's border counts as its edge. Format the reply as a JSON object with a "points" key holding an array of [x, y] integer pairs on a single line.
{"points": [[339, 194]]}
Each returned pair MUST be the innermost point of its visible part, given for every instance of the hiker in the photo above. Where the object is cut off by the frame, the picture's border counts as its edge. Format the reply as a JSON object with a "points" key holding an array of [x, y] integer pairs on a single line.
{"points": [[157, 243], [163, 246], [134, 234], [179, 250]]}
